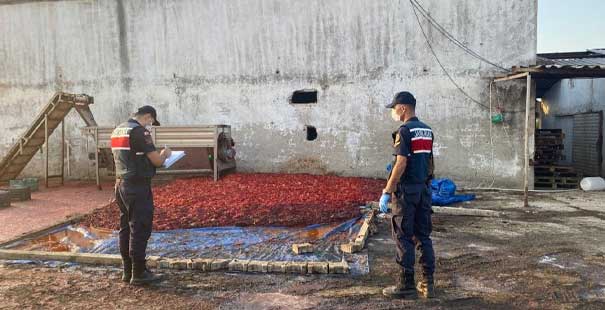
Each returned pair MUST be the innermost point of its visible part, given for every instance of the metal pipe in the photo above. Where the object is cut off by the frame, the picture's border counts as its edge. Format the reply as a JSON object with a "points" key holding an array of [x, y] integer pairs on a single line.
{"points": [[97, 159], [46, 150], [215, 157], [63, 152], [68, 150], [184, 171]]}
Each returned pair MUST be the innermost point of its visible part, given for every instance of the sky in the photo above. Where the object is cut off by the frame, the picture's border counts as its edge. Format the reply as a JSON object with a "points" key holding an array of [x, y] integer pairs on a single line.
{"points": [[570, 25]]}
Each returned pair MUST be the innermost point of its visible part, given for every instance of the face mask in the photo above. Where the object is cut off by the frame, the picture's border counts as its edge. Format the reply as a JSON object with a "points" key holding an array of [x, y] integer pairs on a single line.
{"points": [[396, 117]]}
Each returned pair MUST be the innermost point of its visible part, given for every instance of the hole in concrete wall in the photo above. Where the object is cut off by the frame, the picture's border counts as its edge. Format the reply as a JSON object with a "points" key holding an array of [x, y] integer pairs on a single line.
{"points": [[311, 133], [304, 96]]}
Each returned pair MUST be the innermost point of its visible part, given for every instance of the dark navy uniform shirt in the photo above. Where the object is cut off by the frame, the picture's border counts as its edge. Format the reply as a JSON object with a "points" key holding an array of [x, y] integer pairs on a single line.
{"points": [[130, 142], [414, 140], [141, 140]]}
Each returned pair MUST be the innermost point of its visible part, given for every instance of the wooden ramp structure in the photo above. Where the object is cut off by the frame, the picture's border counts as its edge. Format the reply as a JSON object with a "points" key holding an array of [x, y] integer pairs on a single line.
{"points": [[38, 133]]}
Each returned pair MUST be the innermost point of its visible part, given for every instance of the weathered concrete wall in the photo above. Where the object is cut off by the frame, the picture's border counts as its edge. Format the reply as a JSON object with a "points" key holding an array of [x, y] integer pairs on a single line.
{"points": [[237, 62], [573, 96]]}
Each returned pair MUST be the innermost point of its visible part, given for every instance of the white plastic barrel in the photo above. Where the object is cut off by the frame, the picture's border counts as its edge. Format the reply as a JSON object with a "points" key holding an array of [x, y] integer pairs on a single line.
{"points": [[593, 184]]}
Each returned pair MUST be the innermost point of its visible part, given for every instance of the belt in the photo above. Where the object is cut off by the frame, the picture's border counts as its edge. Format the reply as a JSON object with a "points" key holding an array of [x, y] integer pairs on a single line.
{"points": [[134, 181]]}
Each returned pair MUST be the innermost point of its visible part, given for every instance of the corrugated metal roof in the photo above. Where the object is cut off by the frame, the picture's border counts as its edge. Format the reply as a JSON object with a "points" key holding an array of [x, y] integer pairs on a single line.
{"points": [[554, 72], [562, 71], [566, 66], [592, 57], [574, 62], [598, 50]]}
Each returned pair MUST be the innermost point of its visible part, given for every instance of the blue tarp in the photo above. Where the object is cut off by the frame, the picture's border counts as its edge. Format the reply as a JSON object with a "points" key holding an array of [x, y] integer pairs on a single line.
{"points": [[259, 243], [444, 193]]}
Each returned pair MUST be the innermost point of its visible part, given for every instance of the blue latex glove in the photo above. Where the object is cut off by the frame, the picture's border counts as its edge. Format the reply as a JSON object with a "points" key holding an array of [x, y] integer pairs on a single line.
{"points": [[385, 199], [389, 167]]}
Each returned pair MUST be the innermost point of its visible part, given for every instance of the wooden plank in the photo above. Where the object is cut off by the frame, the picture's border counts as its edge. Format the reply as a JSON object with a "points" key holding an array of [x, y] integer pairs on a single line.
{"points": [[339, 267], [205, 264], [511, 77], [351, 247], [318, 267], [81, 258], [302, 248], [466, 212], [528, 103], [296, 267], [43, 231], [360, 240]]}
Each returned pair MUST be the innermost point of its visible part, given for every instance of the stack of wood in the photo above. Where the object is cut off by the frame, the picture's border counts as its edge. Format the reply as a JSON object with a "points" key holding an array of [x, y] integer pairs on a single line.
{"points": [[555, 177], [549, 146], [549, 174]]}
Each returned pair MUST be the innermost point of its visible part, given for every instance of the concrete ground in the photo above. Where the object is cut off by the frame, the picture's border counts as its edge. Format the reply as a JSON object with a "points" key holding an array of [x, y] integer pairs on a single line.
{"points": [[52, 205], [550, 256]]}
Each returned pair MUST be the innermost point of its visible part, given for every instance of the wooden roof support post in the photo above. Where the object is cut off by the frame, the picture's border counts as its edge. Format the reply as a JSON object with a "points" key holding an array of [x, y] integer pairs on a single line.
{"points": [[528, 102]]}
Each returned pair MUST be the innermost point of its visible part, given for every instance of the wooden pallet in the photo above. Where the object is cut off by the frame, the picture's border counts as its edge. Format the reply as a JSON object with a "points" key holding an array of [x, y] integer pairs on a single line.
{"points": [[550, 133], [555, 177], [547, 174], [550, 147], [549, 152], [554, 186], [554, 168], [548, 160], [557, 180]]}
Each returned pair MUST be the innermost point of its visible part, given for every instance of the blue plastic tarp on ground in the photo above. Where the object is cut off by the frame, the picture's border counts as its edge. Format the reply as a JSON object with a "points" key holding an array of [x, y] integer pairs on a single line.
{"points": [[258, 243], [444, 193]]}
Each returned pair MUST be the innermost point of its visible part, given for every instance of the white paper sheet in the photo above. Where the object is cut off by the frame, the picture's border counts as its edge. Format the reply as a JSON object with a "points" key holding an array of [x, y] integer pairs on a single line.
{"points": [[174, 157]]}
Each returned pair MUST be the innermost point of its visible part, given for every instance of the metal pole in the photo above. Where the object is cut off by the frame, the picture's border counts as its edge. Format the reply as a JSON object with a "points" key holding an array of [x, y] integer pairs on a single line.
{"points": [[215, 158], [63, 152], [528, 98], [68, 145], [97, 158], [46, 150]]}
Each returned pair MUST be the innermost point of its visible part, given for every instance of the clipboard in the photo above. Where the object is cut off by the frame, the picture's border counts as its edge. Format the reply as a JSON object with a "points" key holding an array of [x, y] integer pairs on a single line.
{"points": [[174, 157]]}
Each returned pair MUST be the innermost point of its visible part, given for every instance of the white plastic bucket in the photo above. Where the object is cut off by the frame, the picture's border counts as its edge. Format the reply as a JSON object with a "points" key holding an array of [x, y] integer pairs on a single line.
{"points": [[593, 184]]}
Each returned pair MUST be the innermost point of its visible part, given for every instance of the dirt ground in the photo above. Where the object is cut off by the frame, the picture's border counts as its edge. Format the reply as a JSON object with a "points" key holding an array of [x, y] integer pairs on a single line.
{"points": [[550, 256]]}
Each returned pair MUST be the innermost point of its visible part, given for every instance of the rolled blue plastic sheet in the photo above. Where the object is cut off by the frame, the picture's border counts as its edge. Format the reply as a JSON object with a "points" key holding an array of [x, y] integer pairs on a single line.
{"points": [[443, 193]]}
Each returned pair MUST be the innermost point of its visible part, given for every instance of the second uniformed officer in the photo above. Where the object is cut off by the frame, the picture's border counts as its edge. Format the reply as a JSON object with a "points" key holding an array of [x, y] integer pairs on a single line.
{"points": [[409, 182], [136, 159]]}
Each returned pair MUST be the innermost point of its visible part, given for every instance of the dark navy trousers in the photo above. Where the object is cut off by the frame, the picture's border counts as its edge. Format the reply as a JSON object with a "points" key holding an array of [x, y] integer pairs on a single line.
{"points": [[411, 225], [136, 217]]}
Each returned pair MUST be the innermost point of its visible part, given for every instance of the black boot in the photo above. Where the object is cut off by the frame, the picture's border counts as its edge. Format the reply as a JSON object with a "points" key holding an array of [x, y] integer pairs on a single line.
{"points": [[127, 272], [426, 286], [405, 287], [141, 275]]}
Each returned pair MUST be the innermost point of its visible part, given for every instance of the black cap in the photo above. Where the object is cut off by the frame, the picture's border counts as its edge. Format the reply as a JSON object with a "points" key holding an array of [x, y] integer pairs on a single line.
{"points": [[147, 109], [403, 97]]}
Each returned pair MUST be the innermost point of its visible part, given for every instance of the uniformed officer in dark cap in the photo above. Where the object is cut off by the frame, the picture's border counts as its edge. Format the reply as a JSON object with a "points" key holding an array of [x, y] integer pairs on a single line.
{"points": [[409, 183], [136, 159]]}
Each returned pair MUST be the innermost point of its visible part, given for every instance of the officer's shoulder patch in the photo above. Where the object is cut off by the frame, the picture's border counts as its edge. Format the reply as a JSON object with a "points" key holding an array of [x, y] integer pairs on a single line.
{"points": [[397, 140]]}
